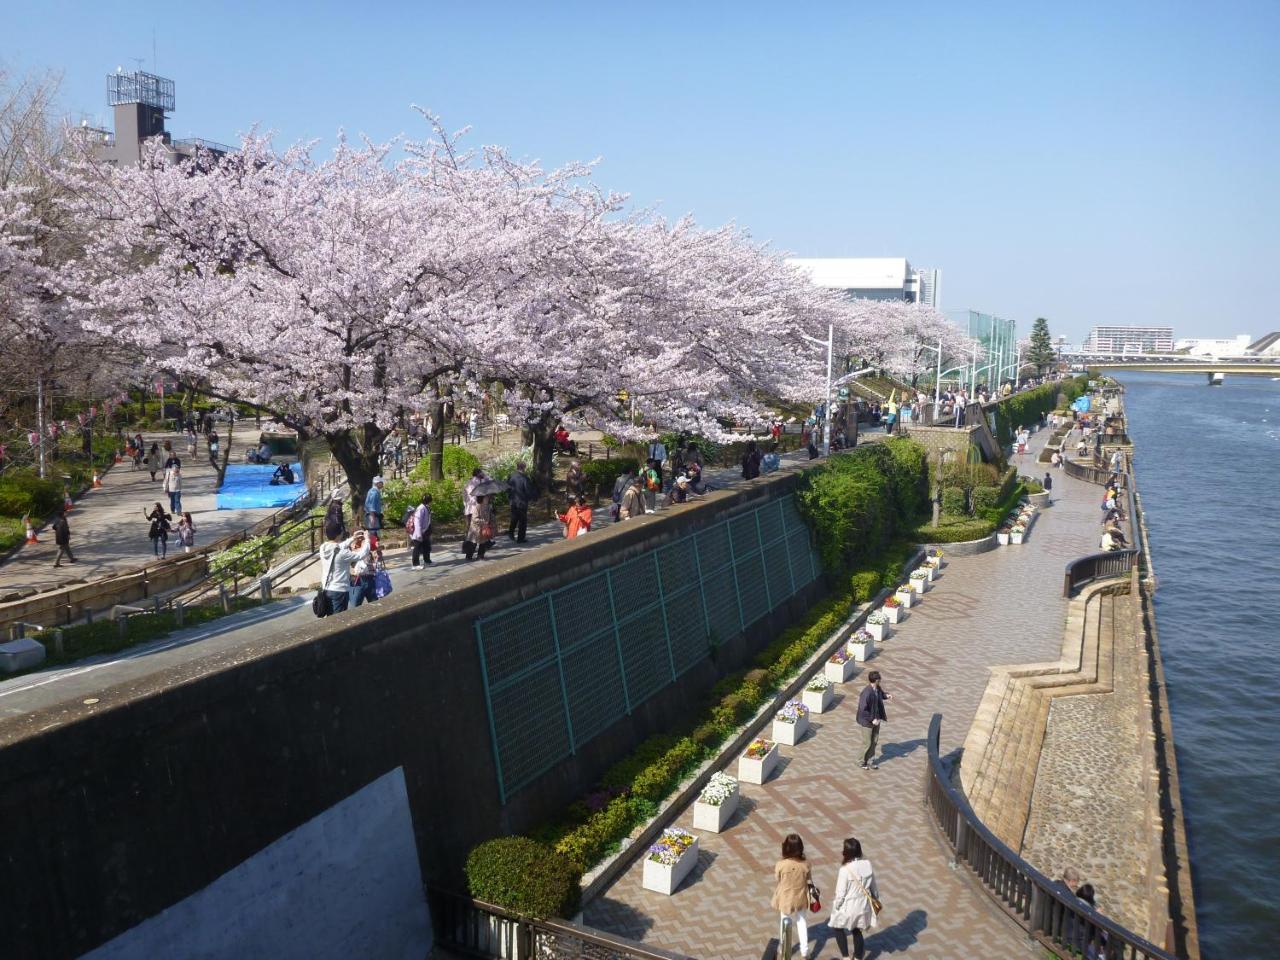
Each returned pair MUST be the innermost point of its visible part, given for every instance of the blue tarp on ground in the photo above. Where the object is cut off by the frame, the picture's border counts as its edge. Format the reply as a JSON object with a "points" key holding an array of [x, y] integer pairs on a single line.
{"points": [[248, 486]]}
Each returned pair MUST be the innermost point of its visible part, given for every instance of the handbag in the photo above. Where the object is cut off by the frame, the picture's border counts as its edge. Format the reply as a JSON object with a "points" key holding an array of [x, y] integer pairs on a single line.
{"points": [[381, 584], [876, 905], [486, 532], [815, 897], [320, 606]]}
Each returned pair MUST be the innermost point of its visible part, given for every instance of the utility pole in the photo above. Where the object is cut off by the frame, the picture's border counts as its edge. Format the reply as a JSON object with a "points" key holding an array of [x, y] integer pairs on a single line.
{"points": [[40, 423]]}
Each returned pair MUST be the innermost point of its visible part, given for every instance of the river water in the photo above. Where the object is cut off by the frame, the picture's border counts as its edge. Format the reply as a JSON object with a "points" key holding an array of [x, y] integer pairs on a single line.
{"points": [[1206, 460]]}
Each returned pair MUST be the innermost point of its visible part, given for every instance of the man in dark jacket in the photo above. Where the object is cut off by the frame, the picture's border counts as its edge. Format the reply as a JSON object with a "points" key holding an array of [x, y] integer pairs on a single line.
{"points": [[62, 537], [520, 492], [870, 716], [335, 524]]}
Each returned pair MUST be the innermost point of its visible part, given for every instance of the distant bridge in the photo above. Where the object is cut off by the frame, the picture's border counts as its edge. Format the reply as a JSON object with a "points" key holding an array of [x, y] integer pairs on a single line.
{"points": [[1177, 363]]}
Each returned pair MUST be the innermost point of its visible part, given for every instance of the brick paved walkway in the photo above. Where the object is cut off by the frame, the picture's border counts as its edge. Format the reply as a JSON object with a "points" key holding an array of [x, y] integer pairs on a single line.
{"points": [[1000, 607]]}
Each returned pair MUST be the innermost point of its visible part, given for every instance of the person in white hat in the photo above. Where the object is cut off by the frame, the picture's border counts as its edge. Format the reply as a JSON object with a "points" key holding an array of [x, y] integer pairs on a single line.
{"points": [[333, 518], [679, 492], [373, 506]]}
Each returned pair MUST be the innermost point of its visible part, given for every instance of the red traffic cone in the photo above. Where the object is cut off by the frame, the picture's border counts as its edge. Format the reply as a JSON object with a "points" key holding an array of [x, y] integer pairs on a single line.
{"points": [[67, 502], [31, 531], [119, 457], [97, 480]]}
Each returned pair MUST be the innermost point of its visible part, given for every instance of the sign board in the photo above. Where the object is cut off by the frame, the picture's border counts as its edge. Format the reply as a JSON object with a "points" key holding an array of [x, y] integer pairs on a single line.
{"points": [[792, 428], [843, 393]]}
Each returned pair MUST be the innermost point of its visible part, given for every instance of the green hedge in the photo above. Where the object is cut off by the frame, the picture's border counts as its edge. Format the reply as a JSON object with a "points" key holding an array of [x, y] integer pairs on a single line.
{"points": [[446, 498], [953, 502], [855, 502], [23, 493], [604, 473], [523, 876], [985, 498], [954, 531], [457, 462]]}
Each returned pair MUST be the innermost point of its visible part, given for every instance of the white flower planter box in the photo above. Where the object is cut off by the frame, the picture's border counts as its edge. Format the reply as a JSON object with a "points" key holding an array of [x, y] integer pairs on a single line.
{"points": [[1016, 537], [862, 651], [1002, 539], [920, 585], [878, 631], [930, 571], [905, 596], [664, 879], [715, 817], [839, 672], [818, 700], [789, 733], [757, 771], [893, 613]]}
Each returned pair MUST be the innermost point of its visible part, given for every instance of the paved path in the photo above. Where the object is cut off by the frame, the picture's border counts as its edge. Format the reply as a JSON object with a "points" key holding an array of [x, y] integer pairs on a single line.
{"points": [[108, 531], [1000, 607]]}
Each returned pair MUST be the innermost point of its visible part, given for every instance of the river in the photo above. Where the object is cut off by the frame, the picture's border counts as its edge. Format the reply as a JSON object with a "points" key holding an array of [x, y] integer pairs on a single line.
{"points": [[1206, 460]]}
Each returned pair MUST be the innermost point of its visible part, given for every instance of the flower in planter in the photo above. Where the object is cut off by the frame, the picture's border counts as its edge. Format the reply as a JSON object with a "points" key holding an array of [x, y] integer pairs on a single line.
{"points": [[817, 683], [878, 618], [919, 575], [668, 848], [935, 552], [891, 602], [862, 637], [793, 712], [758, 748], [718, 789], [841, 656]]}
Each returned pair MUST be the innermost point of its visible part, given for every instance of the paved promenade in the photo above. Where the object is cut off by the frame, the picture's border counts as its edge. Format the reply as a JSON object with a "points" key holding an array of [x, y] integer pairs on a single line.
{"points": [[108, 530], [999, 607]]}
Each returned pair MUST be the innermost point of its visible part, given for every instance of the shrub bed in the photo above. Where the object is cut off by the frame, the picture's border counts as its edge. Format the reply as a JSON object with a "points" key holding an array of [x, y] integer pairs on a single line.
{"points": [[523, 876], [604, 473]]}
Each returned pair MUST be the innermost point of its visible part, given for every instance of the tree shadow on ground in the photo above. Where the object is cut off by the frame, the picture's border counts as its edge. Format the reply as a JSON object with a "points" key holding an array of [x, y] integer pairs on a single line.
{"points": [[617, 917]]}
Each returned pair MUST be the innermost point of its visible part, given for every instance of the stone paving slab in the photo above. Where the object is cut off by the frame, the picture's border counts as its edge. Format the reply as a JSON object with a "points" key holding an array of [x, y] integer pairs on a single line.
{"points": [[1000, 607]]}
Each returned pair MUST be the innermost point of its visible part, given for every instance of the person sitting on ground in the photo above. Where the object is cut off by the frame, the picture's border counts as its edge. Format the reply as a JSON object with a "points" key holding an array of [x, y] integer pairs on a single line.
{"points": [[283, 476], [679, 492], [1117, 536], [563, 443], [770, 461], [694, 472], [261, 455]]}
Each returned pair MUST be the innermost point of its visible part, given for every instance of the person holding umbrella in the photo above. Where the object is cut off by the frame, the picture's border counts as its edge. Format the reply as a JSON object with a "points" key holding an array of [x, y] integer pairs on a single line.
{"points": [[480, 530]]}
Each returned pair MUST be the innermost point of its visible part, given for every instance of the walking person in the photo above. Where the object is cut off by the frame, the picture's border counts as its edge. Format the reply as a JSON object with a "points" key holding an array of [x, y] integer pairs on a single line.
{"points": [[186, 533], [155, 462], [652, 475], [213, 450], [336, 556], [520, 492], [620, 487], [575, 481], [791, 894], [478, 476], [751, 462], [62, 537], [856, 902], [632, 500], [480, 530], [173, 484], [159, 532], [333, 518], [576, 519], [420, 532], [373, 508], [870, 716]]}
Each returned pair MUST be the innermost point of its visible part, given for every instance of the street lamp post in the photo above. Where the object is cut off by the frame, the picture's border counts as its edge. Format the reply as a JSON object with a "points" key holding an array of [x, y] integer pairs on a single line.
{"points": [[826, 411]]}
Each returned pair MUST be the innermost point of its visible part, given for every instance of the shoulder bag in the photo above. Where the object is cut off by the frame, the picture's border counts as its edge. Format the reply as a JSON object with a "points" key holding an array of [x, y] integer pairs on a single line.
{"points": [[876, 906]]}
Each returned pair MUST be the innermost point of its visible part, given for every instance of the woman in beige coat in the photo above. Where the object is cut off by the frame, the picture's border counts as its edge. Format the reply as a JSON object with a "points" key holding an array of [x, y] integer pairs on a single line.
{"points": [[851, 909], [791, 896]]}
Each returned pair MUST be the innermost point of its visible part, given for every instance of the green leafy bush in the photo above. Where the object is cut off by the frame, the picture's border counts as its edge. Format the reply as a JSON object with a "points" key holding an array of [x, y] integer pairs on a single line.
{"points": [[458, 463], [953, 502], [604, 473], [956, 531], [985, 498], [26, 493], [864, 585], [523, 876], [503, 466], [446, 499], [247, 559]]}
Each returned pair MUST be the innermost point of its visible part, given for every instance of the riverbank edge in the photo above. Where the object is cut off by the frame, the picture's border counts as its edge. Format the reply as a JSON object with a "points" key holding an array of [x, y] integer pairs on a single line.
{"points": [[1170, 855]]}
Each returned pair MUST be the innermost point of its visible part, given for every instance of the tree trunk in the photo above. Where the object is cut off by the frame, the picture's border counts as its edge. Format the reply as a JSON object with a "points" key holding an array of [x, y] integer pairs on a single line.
{"points": [[358, 451], [435, 444], [226, 453], [543, 439]]}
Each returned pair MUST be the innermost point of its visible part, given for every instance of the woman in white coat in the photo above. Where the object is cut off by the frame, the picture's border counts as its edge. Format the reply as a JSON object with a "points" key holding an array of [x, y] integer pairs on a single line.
{"points": [[851, 909]]}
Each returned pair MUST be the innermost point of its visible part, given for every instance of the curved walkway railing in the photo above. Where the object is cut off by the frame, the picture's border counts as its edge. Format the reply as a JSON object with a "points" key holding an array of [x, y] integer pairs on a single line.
{"points": [[1052, 916], [1113, 563]]}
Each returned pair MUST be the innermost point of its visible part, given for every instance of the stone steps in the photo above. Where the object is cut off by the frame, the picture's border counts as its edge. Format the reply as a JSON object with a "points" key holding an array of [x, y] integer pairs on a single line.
{"points": [[1002, 749]]}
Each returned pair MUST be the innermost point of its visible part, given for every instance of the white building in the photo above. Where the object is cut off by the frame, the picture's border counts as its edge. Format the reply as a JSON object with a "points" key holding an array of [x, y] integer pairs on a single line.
{"points": [[875, 278], [1213, 347], [1129, 339]]}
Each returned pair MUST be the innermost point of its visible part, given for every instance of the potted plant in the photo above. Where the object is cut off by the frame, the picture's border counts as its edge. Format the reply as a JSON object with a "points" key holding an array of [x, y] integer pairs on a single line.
{"points": [[716, 803], [791, 723], [928, 570], [892, 608], [1002, 536], [840, 667], [862, 645], [937, 554], [905, 595], [757, 761], [818, 693], [878, 625], [1017, 532], [919, 581], [669, 860]]}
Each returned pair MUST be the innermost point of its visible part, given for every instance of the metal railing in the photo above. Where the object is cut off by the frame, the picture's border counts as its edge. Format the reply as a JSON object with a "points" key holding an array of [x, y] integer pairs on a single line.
{"points": [[1052, 916], [1112, 563], [481, 929]]}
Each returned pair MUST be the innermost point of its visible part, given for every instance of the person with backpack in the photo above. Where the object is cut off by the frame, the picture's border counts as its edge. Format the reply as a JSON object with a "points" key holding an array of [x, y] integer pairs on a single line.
{"points": [[520, 492], [419, 528], [652, 476], [336, 557], [620, 487]]}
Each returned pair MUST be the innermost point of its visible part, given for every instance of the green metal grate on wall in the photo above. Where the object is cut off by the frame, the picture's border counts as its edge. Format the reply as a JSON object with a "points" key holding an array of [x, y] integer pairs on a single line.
{"points": [[561, 667]]}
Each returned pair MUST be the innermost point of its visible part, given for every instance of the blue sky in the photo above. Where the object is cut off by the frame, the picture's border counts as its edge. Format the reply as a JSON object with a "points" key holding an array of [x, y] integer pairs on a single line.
{"points": [[1091, 162]]}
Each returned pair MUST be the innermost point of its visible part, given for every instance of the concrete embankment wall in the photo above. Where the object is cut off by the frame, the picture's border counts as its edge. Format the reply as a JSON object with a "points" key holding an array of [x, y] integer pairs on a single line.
{"points": [[118, 809]]}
